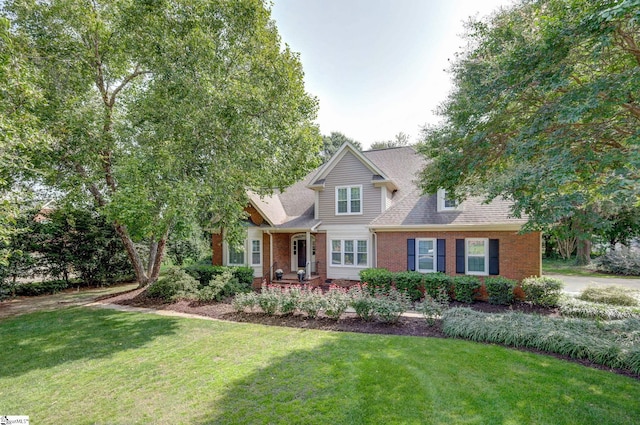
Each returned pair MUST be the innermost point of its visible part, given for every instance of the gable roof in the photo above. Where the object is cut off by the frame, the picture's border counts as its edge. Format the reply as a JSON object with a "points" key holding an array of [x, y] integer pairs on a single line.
{"points": [[379, 176], [397, 169]]}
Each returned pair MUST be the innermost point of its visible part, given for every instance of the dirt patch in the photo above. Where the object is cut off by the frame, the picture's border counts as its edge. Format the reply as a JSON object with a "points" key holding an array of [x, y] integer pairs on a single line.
{"points": [[349, 322]]}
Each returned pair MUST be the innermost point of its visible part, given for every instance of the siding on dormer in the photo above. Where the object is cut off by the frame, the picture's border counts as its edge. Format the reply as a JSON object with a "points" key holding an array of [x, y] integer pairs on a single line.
{"points": [[349, 171]]}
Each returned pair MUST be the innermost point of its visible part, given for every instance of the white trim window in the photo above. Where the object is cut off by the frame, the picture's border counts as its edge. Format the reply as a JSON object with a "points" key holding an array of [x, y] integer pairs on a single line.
{"points": [[235, 255], [256, 252], [348, 200], [477, 256], [349, 252], [445, 202], [426, 255]]}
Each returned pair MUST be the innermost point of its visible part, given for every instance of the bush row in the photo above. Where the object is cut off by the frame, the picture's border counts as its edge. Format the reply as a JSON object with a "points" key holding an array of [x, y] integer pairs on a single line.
{"points": [[614, 344], [179, 284], [574, 307], [543, 291], [385, 305], [205, 273]]}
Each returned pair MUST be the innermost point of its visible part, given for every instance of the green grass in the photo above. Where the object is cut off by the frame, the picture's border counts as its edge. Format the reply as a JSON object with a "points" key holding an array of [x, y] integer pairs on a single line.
{"points": [[85, 366], [569, 268]]}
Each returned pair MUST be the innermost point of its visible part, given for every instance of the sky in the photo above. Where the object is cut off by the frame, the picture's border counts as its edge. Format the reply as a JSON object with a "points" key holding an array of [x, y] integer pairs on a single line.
{"points": [[377, 67]]}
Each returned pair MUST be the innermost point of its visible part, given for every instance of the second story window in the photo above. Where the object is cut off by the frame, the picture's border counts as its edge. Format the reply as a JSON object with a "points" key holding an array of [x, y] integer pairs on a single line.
{"points": [[446, 202], [349, 200]]}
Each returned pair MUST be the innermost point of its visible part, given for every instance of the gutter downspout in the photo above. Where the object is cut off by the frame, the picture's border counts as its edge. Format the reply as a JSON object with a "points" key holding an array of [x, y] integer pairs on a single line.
{"points": [[268, 232], [375, 248]]}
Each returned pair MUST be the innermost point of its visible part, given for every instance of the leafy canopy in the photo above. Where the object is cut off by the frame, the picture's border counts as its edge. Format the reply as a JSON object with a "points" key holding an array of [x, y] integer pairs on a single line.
{"points": [[166, 112], [545, 111]]}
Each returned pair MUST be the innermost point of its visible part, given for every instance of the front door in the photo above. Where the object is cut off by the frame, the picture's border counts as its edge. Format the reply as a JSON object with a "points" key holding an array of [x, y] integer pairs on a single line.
{"points": [[302, 253]]}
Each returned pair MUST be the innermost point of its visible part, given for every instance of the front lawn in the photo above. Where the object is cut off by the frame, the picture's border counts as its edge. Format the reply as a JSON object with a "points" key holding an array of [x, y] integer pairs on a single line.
{"points": [[569, 268], [85, 365]]}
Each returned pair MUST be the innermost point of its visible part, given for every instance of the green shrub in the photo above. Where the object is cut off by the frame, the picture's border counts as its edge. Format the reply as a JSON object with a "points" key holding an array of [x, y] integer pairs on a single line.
{"points": [[622, 262], [336, 302], [35, 289], [389, 305], [244, 275], [435, 284], [312, 302], [175, 284], [573, 307], [500, 290], [614, 344], [433, 308], [376, 278], [204, 273], [362, 302], [245, 300], [465, 288], [614, 295], [543, 291], [269, 299], [221, 286], [411, 283], [290, 300]]}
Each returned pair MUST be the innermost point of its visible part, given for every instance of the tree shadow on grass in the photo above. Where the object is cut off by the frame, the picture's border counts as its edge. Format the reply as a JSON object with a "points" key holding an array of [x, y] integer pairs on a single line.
{"points": [[46, 339], [364, 379]]}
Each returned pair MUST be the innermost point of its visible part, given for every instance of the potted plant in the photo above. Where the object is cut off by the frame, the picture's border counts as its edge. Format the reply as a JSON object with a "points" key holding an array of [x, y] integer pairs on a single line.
{"points": [[279, 274], [301, 275]]}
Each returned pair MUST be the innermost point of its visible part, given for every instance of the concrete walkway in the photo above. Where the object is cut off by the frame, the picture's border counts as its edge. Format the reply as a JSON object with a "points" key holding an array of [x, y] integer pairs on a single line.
{"points": [[575, 284]]}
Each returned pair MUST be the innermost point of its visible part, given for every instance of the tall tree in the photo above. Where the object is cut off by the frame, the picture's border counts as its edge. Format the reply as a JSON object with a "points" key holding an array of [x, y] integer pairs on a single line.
{"points": [[401, 139], [332, 142], [545, 112], [166, 111]]}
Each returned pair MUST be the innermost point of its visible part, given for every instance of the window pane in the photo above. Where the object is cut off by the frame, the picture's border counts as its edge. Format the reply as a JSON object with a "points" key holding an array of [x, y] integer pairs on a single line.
{"points": [[255, 258], [335, 246], [425, 263], [355, 193], [342, 206], [236, 256], [335, 258], [362, 259], [475, 247], [425, 247], [348, 246], [342, 194], [362, 246], [348, 258], [476, 264], [355, 206]]}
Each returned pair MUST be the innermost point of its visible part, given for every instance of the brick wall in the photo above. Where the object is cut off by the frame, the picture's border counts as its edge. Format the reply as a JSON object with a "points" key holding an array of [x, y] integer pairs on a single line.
{"points": [[520, 255]]}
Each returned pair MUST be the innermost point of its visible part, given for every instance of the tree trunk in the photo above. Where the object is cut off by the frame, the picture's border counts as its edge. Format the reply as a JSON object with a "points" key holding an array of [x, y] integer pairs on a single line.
{"points": [[160, 248], [136, 262], [583, 256], [153, 252]]}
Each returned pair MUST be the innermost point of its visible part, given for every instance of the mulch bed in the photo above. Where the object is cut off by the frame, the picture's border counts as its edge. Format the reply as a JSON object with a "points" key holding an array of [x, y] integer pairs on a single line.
{"points": [[349, 322]]}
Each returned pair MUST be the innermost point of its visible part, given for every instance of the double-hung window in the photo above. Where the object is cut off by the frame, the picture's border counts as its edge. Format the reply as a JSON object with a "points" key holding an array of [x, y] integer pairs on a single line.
{"points": [[349, 199], [349, 252], [236, 255], [446, 202], [256, 252], [477, 256], [426, 255]]}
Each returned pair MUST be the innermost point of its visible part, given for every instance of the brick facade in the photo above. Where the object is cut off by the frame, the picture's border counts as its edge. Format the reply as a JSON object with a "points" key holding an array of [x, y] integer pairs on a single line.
{"points": [[519, 254]]}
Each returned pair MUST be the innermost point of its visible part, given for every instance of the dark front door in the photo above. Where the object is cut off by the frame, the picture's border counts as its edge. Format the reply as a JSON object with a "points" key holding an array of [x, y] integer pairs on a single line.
{"points": [[302, 253]]}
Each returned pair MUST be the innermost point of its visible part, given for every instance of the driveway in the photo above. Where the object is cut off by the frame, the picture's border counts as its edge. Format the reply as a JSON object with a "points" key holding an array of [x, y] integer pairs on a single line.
{"points": [[575, 284]]}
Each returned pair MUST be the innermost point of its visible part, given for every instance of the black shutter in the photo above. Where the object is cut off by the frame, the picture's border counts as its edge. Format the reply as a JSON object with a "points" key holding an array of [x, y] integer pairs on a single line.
{"points": [[460, 256], [494, 256], [411, 254], [441, 248]]}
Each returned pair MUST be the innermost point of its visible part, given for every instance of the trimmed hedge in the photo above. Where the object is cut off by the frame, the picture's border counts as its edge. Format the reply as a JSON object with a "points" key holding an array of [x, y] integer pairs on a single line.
{"points": [[377, 278], [410, 283], [500, 290], [465, 288], [435, 284], [204, 273], [35, 289], [543, 291]]}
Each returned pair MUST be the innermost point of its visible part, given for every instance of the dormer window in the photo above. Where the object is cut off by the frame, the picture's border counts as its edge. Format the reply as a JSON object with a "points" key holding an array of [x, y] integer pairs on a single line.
{"points": [[445, 202], [348, 200]]}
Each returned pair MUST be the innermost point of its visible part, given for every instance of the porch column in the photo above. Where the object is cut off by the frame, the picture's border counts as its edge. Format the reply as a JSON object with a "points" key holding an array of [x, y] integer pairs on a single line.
{"points": [[308, 265]]}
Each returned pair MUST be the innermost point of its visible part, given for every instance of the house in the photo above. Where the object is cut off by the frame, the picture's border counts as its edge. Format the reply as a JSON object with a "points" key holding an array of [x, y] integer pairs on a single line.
{"points": [[363, 209]]}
